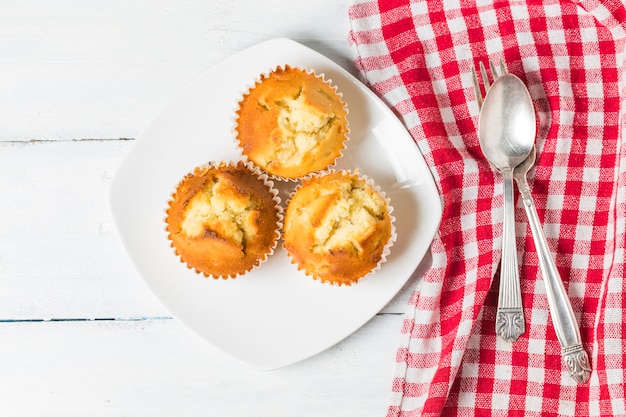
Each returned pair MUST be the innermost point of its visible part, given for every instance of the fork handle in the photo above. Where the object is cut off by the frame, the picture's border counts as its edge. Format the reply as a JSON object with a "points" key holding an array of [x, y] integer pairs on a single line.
{"points": [[510, 323], [563, 317]]}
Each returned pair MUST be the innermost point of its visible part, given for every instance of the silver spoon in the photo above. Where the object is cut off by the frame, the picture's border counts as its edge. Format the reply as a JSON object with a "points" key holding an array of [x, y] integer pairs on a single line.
{"points": [[506, 131], [563, 317]]}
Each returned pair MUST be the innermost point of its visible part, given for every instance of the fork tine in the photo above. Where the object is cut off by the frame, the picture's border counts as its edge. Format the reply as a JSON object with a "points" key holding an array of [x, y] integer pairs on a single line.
{"points": [[494, 70], [483, 73], [503, 69], [479, 95]]}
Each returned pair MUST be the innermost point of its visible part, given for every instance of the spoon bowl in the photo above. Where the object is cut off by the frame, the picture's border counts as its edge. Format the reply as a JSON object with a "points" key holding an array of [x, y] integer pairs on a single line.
{"points": [[507, 124]]}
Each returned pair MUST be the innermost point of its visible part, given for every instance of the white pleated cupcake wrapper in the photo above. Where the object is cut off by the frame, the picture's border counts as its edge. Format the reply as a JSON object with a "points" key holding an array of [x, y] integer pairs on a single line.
{"points": [[254, 170], [258, 81], [392, 238]]}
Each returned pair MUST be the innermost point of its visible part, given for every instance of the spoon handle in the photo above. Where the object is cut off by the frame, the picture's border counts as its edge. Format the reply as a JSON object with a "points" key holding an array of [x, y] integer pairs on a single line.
{"points": [[510, 323], [563, 317]]}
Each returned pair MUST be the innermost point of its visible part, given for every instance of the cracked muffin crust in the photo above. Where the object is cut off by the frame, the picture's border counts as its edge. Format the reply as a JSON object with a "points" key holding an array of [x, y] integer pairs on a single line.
{"points": [[337, 227], [223, 219], [291, 123]]}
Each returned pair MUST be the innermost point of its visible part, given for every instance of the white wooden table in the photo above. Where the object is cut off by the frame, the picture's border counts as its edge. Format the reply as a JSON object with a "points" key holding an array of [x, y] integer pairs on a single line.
{"points": [[80, 334]]}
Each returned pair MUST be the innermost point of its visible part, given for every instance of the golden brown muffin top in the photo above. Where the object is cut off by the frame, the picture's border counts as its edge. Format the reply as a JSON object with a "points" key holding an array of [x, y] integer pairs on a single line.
{"points": [[336, 227], [222, 220], [292, 123]]}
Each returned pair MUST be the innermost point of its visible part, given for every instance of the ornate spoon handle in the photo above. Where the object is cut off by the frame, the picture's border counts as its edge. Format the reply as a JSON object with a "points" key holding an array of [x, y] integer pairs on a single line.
{"points": [[565, 324], [510, 315]]}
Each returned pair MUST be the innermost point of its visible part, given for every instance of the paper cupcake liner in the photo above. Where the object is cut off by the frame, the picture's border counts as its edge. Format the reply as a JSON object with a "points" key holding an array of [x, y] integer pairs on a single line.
{"points": [[386, 248], [255, 173], [259, 81]]}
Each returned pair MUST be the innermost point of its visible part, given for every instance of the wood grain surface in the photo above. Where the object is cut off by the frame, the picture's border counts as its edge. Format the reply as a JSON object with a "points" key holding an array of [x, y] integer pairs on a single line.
{"points": [[80, 334]]}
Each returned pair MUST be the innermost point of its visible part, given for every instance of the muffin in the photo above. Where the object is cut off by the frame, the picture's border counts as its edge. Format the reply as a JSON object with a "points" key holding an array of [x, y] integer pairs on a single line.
{"points": [[337, 227], [291, 123], [223, 219]]}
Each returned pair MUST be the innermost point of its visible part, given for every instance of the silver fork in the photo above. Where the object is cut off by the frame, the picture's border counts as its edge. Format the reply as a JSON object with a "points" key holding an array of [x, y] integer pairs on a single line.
{"points": [[566, 327], [485, 77]]}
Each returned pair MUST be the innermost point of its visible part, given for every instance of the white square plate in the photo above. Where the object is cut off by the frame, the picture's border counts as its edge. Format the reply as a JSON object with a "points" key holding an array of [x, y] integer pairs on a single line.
{"points": [[275, 315]]}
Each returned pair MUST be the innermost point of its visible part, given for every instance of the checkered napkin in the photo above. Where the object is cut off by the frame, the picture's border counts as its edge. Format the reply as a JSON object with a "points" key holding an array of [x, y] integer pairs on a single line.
{"points": [[418, 55]]}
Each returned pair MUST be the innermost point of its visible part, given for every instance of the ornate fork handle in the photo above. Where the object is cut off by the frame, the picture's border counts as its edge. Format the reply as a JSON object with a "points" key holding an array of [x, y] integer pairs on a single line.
{"points": [[563, 317]]}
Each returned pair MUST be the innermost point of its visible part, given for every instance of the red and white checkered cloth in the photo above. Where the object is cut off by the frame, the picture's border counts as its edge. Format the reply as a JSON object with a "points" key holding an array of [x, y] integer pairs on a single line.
{"points": [[418, 55]]}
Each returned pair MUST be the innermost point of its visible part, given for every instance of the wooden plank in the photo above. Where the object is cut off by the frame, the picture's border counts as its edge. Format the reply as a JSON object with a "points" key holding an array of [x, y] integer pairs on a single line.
{"points": [[79, 332], [158, 368], [60, 256], [103, 69]]}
